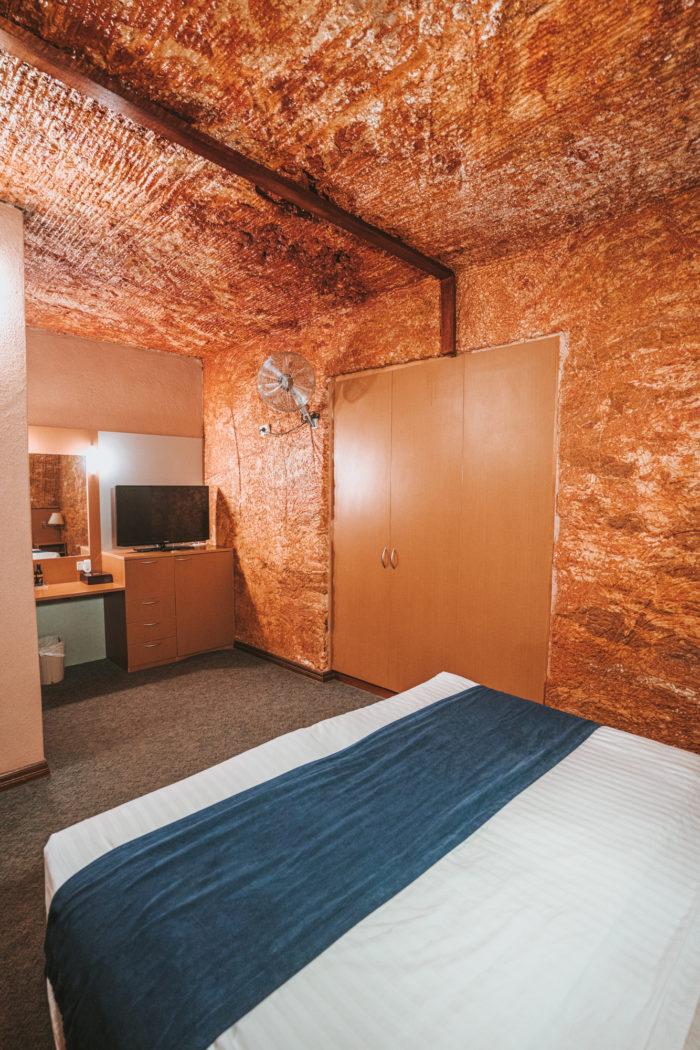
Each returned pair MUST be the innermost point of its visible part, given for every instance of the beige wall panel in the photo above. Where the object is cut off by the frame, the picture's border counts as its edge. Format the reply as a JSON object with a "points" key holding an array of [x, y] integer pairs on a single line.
{"points": [[76, 382]]}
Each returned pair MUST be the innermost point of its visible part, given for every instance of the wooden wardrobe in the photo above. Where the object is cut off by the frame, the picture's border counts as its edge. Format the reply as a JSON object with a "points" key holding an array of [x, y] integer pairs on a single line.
{"points": [[443, 532]]}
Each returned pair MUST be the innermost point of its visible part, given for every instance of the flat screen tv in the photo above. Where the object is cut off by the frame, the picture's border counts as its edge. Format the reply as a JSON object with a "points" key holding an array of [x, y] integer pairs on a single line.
{"points": [[161, 515]]}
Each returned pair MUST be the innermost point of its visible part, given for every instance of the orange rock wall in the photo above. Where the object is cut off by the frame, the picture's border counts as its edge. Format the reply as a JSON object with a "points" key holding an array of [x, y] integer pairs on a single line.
{"points": [[44, 479], [60, 481], [273, 492], [73, 503], [625, 640], [625, 611]]}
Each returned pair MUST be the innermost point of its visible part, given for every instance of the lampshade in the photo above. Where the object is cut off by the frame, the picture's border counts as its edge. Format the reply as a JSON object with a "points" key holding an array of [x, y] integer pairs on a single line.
{"points": [[57, 518]]}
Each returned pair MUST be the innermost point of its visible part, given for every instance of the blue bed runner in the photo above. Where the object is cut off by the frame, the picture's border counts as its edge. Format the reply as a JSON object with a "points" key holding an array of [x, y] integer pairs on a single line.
{"points": [[168, 940]]}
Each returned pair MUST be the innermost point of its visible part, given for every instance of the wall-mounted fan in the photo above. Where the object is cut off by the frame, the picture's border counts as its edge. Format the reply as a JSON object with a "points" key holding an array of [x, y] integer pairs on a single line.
{"points": [[286, 382]]}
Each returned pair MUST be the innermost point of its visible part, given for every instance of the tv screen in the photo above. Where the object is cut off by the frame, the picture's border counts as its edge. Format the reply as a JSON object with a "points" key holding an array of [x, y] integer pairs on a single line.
{"points": [[156, 515]]}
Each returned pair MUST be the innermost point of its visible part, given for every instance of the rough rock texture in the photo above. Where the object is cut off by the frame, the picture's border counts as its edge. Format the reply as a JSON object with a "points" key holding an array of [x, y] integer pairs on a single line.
{"points": [[73, 503], [514, 113], [60, 481], [44, 475], [548, 151], [273, 493], [473, 127], [135, 240], [625, 645]]}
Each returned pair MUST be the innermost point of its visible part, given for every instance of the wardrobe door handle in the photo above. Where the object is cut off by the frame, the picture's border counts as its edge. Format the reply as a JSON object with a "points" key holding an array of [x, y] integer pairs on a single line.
{"points": [[384, 561], [394, 559]]}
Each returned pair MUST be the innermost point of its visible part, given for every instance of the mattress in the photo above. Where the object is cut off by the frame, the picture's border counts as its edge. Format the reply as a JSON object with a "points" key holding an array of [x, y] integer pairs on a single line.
{"points": [[571, 919]]}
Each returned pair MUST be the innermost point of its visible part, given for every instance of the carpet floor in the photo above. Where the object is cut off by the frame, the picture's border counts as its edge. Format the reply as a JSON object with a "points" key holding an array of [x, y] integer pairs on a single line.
{"points": [[109, 737]]}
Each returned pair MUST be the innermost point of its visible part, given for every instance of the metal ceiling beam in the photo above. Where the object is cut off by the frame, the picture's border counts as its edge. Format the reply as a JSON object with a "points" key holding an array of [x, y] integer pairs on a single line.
{"points": [[29, 48]]}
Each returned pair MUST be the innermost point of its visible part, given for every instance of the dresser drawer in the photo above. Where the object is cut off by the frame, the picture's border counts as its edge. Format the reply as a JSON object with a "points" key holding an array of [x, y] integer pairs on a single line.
{"points": [[174, 604], [148, 578], [151, 630], [142, 610], [145, 654]]}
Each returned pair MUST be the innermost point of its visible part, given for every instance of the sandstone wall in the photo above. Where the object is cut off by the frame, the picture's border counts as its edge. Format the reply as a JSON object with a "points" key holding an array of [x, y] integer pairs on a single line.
{"points": [[59, 481], [625, 642], [625, 608], [273, 492]]}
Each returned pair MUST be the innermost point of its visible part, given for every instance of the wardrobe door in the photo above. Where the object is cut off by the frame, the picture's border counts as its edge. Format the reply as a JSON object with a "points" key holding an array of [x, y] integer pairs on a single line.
{"points": [[507, 535], [361, 539], [426, 463]]}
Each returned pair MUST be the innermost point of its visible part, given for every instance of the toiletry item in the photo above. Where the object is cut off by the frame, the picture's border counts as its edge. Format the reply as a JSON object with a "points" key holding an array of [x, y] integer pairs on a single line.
{"points": [[38, 576]]}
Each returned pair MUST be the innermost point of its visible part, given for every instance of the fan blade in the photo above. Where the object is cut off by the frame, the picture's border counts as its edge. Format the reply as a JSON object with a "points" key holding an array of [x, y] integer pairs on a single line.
{"points": [[286, 381]]}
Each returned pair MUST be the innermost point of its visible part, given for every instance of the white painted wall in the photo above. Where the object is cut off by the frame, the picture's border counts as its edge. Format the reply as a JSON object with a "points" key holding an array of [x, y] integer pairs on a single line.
{"points": [[80, 624], [144, 459]]}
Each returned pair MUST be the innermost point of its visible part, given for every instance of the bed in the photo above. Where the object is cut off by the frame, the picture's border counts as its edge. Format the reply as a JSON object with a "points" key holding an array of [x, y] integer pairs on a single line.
{"points": [[568, 920]]}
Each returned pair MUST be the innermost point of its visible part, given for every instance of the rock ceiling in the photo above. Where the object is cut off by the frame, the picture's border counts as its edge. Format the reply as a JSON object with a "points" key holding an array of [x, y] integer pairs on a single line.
{"points": [[467, 129]]}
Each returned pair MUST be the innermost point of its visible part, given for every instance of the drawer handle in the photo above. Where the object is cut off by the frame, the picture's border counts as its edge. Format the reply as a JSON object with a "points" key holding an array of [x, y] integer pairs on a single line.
{"points": [[154, 624], [151, 561], [151, 603], [185, 558], [150, 645]]}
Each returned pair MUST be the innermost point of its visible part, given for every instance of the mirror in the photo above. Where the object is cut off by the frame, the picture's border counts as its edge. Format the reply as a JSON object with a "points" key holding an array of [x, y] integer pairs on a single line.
{"points": [[59, 505], [63, 481]]}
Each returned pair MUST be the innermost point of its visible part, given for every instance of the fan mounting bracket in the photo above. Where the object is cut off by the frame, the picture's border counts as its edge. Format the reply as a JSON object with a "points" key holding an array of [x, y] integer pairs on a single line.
{"points": [[311, 418]]}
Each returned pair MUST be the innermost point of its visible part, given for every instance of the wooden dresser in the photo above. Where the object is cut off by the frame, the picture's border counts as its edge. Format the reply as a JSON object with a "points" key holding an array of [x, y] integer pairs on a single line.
{"points": [[174, 604]]}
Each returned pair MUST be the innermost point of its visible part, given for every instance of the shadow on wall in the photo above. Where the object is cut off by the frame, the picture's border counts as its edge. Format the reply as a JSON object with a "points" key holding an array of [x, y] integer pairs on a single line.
{"points": [[244, 607], [224, 525]]}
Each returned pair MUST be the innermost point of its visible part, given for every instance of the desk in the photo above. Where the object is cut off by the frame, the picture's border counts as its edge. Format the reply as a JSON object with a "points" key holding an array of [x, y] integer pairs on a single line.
{"points": [[75, 589], [74, 612]]}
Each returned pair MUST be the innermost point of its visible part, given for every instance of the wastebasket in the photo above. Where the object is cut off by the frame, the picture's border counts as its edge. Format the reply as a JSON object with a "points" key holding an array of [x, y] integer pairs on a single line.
{"points": [[52, 652]]}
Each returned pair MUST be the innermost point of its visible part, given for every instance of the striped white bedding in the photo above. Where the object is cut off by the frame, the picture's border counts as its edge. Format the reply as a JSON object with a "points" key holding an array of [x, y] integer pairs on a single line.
{"points": [[569, 921]]}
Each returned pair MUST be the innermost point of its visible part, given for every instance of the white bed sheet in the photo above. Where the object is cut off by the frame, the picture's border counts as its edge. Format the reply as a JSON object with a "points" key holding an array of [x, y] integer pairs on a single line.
{"points": [[569, 921]]}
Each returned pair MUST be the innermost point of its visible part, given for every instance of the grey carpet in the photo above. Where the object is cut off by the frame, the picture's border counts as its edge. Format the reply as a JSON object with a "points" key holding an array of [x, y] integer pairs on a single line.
{"points": [[109, 737]]}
